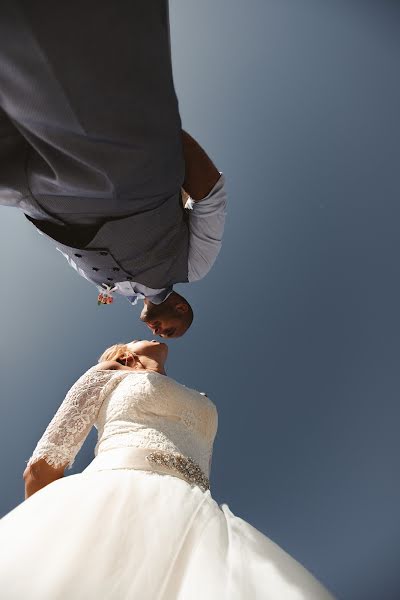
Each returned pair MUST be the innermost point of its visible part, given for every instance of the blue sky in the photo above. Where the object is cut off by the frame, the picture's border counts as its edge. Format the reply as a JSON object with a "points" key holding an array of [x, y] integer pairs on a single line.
{"points": [[296, 333]]}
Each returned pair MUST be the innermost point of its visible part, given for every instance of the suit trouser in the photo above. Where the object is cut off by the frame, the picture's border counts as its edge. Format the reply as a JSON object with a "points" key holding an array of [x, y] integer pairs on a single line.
{"points": [[89, 119]]}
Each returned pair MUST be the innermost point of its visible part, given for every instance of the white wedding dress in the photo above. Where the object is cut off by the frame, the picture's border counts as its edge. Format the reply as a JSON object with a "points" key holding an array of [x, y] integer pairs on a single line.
{"points": [[114, 532]]}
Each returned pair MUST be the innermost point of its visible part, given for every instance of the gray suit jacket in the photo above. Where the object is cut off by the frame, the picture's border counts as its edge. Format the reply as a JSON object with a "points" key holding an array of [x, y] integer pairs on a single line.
{"points": [[90, 134]]}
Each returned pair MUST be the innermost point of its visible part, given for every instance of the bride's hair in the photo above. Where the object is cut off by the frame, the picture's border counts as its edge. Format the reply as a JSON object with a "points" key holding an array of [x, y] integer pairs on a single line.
{"points": [[118, 352]]}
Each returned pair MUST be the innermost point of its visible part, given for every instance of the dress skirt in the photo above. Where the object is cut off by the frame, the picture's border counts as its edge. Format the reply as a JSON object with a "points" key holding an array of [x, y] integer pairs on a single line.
{"points": [[127, 534]]}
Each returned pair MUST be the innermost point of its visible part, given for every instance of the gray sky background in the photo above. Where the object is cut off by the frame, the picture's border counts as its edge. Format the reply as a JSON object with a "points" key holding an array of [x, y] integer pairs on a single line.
{"points": [[296, 334]]}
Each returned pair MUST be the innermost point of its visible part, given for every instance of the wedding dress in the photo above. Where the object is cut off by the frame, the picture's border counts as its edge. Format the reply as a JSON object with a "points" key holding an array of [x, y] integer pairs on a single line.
{"points": [[119, 532]]}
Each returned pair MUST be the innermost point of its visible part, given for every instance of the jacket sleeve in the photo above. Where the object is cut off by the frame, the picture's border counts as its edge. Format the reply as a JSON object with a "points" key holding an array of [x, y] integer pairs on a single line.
{"points": [[13, 153], [67, 431]]}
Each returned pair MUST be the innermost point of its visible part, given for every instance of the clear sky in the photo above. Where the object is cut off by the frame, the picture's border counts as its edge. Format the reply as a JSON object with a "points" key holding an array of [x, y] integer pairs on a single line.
{"points": [[296, 333]]}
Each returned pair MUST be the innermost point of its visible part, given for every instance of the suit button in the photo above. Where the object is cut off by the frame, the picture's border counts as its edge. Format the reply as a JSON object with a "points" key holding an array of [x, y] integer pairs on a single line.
{"points": [[78, 255], [110, 279], [103, 253], [115, 269], [129, 278], [94, 269]]}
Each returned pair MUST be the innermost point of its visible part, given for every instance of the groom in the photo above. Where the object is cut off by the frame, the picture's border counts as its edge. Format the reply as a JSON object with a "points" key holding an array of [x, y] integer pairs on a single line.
{"points": [[93, 153]]}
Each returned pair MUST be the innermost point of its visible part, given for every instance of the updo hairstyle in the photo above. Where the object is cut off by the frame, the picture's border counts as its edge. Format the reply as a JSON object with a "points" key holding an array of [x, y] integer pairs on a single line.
{"points": [[118, 352]]}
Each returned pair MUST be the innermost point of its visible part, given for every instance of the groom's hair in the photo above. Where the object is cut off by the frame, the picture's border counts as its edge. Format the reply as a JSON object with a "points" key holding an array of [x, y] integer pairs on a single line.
{"points": [[187, 317]]}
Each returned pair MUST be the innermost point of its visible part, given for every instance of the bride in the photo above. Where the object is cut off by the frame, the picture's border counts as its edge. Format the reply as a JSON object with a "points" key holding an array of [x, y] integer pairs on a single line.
{"points": [[139, 522]]}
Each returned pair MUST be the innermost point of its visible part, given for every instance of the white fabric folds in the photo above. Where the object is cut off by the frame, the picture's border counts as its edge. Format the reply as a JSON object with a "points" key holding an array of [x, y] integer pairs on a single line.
{"points": [[125, 534]]}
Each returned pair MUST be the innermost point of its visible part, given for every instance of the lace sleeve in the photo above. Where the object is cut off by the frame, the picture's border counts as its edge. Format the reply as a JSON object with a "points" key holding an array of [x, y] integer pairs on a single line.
{"points": [[73, 421]]}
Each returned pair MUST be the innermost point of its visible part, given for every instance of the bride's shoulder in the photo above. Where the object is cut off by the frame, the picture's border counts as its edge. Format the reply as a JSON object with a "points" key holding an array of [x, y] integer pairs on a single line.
{"points": [[101, 371], [107, 365]]}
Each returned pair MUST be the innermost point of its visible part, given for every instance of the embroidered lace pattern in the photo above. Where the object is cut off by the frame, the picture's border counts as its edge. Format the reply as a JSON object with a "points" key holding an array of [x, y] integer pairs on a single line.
{"points": [[149, 410], [186, 466], [130, 409], [72, 422]]}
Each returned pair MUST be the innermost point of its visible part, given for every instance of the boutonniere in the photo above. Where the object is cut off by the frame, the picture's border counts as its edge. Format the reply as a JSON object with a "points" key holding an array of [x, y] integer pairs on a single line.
{"points": [[106, 297]]}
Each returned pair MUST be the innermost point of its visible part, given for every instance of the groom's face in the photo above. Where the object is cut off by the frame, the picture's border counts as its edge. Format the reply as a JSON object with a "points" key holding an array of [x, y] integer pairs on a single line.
{"points": [[167, 328], [163, 320]]}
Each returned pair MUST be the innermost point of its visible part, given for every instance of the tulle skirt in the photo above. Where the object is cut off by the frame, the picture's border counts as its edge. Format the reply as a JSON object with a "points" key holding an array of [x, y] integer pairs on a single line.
{"points": [[127, 534]]}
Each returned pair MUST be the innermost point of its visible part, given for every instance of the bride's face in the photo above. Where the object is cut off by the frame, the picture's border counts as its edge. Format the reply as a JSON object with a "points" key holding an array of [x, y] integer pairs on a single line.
{"points": [[153, 349]]}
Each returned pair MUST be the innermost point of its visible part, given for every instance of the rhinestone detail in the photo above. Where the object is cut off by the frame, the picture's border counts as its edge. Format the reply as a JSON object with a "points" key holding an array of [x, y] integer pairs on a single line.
{"points": [[183, 464]]}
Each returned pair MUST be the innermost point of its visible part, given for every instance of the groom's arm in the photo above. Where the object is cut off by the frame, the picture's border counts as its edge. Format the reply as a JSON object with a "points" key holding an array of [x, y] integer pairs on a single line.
{"points": [[206, 186], [201, 174]]}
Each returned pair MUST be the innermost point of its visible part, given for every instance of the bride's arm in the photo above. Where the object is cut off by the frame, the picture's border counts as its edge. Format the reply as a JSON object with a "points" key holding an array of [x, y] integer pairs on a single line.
{"points": [[67, 431]]}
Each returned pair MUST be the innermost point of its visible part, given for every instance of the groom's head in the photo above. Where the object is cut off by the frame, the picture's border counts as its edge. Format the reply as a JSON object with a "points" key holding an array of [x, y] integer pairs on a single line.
{"points": [[172, 318]]}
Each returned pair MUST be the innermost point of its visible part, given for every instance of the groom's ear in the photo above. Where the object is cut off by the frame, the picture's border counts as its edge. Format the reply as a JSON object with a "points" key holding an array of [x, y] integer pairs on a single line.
{"points": [[181, 307]]}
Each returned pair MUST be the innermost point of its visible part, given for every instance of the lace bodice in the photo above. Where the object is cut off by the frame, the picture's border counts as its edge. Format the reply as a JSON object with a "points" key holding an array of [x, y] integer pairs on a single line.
{"points": [[130, 409]]}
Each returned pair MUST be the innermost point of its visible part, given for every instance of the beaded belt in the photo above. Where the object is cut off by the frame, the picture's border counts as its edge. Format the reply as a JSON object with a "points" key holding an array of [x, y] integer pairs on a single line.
{"points": [[148, 459]]}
